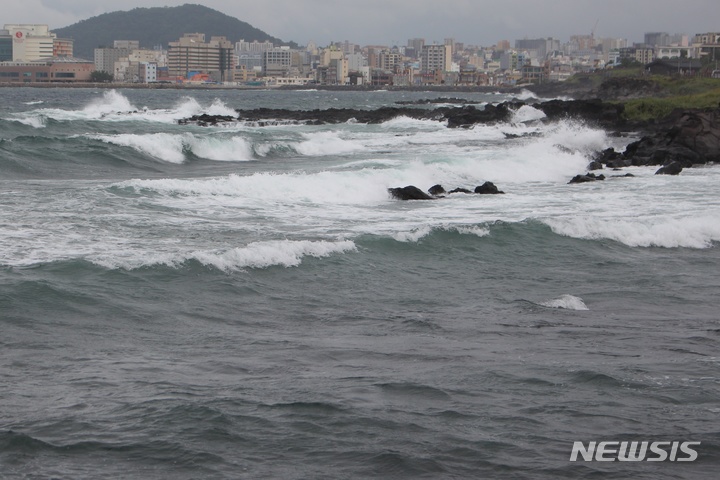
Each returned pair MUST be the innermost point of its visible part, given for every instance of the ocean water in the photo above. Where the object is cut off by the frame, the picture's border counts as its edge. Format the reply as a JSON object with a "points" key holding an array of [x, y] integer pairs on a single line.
{"points": [[247, 301]]}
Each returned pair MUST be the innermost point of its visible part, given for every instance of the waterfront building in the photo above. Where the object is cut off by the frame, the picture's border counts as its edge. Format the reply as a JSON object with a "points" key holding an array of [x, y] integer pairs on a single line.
{"points": [[30, 42], [191, 54]]}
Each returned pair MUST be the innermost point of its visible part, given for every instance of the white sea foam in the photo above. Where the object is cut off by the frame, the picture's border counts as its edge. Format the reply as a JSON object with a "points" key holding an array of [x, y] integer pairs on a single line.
{"points": [[568, 302], [668, 232], [112, 101], [163, 146], [35, 121], [172, 147], [113, 106], [417, 234], [404, 123], [412, 236], [322, 188], [286, 253], [526, 95], [326, 143], [477, 231], [526, 113], [232, 149]]}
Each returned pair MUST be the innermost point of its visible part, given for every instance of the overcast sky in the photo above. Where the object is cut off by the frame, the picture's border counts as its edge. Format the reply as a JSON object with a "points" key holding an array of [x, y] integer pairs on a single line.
{"points": [[393, 22]]}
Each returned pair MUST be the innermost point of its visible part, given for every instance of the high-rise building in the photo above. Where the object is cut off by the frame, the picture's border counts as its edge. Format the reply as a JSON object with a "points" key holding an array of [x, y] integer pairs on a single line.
{"points": [[191, 54], [436, 58], [541, 46], [105, 58], [416, 43], [277, 62], [653, 39]]}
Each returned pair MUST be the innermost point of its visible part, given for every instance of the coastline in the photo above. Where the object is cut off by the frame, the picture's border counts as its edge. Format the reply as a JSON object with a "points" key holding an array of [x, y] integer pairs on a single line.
{"points": [[339, 88]]}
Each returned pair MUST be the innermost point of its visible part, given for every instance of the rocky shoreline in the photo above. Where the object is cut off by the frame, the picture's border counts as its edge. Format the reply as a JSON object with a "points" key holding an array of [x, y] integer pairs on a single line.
{"points": [[686, 138]]}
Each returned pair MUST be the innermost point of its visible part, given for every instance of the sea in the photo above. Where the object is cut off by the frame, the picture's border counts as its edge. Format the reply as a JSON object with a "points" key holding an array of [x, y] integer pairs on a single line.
{"points": [[247, 301]]}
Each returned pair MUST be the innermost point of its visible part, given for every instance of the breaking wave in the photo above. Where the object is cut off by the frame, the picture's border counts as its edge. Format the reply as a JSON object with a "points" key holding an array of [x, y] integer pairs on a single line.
{"points": [[691, 232], [174, 148], [258, 255], [567, 302]]}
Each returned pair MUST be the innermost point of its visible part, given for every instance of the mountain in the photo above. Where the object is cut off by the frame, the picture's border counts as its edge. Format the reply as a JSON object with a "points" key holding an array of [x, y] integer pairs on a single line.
{"points": [[157, 26]]}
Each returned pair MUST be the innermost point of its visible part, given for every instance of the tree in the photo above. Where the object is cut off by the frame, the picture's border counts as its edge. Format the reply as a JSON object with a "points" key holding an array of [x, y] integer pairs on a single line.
{"points": [[99, 76]]}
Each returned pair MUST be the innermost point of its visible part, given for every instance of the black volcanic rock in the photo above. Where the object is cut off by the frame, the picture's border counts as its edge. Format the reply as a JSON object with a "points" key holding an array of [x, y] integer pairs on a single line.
{"points": [[204, 120], [588, 177], [687, 136], [410, 192], [436, 190], [488, 188], [672, 168], [460, 190], [470, 115], [593, 110]]}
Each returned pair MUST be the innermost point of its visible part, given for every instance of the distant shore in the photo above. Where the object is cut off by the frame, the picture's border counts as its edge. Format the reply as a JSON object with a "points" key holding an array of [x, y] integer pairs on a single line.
{"points": [[549, 90], [348, 88]]}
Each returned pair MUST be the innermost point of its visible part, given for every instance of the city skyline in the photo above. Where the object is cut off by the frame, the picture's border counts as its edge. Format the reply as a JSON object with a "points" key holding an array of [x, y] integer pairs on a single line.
{"points": [[393, 23]]}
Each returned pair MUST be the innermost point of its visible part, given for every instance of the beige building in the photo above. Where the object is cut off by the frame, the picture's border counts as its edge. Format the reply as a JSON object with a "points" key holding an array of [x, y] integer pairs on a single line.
{"points": [[192, 54], [330, 54], [128, 69]]}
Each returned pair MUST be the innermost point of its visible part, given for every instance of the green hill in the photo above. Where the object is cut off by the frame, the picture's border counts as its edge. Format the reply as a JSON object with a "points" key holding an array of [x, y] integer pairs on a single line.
{"points": [[157, 26]]}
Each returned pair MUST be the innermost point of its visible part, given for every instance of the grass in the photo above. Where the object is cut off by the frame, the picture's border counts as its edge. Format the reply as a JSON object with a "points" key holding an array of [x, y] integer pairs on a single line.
{"points": [[677, 93], [673, 92]]}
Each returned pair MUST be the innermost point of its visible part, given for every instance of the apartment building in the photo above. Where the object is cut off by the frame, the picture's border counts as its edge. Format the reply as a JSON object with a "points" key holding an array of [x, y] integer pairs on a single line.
{"points": [[436, 58], [387, 60], [192, 54], [105, 58], [277, 62]]}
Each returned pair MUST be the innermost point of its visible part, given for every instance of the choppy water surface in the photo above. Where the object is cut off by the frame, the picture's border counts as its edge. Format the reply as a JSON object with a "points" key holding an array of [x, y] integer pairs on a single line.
{"points": [[242, 301]]}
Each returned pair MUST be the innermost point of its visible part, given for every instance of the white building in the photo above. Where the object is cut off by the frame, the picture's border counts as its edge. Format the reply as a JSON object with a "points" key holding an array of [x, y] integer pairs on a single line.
{"points": [[355, 62], [147, 72], [31, 42], [436, 58]]}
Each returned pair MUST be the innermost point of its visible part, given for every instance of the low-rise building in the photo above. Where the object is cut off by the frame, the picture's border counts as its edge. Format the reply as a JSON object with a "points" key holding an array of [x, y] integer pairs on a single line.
{"points": [[708, 45], [49, 70]]}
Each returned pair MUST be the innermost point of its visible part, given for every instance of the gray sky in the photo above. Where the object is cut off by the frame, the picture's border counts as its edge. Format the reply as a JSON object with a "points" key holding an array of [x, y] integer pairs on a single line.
{"points": [[389, 22]]}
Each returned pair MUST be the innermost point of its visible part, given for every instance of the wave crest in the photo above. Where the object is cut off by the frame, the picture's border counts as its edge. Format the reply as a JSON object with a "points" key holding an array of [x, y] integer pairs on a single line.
{"points": [[567, 302], [698, 232], [257, 255]]}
